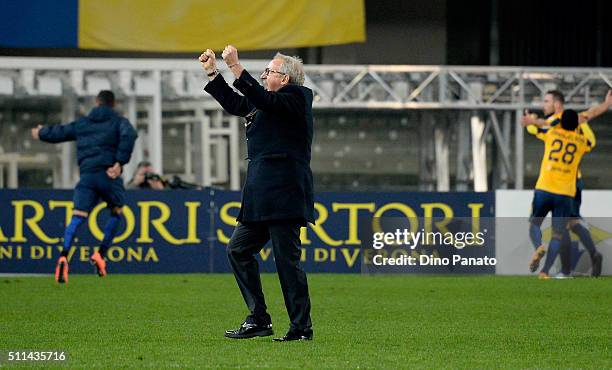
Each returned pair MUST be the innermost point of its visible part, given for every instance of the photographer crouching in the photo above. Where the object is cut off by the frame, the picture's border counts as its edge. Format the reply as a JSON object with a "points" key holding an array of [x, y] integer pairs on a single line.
{"points": [[145, 177]]}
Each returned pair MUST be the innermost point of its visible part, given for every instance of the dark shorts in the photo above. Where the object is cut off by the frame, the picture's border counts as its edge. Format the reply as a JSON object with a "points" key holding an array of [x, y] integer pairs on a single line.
{"points": [[577, 200], [95, 186], [545, 202]]}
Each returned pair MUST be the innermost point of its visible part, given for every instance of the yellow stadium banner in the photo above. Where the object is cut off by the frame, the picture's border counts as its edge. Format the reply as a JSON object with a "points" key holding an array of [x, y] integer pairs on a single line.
{"points": [[194, 25]]}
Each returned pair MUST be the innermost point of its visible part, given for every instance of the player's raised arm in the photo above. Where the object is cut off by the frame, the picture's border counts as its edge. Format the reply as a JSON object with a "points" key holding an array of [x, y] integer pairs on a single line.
{"points": [[55, 134], [599, 109]]}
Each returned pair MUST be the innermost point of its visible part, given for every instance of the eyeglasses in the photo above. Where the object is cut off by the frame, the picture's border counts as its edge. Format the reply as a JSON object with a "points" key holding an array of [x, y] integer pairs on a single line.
{"points": [[267, 72]]}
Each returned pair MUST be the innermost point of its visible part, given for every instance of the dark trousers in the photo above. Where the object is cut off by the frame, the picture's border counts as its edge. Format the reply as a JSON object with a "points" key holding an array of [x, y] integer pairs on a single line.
{"points": [[561, 207], [247, 240]]}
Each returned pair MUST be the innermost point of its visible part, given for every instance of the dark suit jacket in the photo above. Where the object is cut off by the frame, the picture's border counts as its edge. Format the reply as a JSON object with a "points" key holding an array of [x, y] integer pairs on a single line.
{"points": [[279, 180]]}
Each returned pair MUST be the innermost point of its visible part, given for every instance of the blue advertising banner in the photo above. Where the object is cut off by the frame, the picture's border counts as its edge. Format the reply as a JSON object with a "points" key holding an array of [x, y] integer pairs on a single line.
{"points": [[343, 226], [187, 231], [160, 231]]}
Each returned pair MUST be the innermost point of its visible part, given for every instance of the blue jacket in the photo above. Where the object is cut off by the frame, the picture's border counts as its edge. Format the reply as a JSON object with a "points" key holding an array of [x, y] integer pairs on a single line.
{"points": [[279, 184], [103, 137]]}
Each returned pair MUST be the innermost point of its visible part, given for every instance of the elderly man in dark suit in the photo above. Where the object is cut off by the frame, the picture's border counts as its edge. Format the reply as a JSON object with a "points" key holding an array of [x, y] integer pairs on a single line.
{"points": [[277, 198]]}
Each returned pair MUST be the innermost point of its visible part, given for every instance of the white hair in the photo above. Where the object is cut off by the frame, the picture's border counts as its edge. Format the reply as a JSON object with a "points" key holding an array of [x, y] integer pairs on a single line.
{"points": [[292, 67]]}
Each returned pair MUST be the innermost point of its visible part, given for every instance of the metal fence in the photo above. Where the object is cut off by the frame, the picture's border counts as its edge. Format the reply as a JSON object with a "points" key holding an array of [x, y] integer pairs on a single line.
{"points": [[405, 127]]}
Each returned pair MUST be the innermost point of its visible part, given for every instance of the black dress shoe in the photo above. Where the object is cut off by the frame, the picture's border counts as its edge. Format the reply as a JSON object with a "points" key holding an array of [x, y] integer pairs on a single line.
{"points": [[295, 336], [247, 330]]}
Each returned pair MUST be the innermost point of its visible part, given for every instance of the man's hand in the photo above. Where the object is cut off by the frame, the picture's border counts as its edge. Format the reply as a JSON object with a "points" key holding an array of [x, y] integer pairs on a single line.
{"points": [[156, 184], [114, 171], [527, 119], [139, 178], [208, 61], [609, 98], [35, 132], [230, 56]]}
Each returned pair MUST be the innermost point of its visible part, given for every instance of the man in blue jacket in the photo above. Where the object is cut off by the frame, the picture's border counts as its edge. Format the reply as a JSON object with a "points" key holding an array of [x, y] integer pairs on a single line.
{"points": [[104, 143], [277, 198]]}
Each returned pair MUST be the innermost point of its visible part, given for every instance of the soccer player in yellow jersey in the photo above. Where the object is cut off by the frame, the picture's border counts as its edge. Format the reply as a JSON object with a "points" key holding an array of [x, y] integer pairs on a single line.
{"points": [[556, 186], [553, 108]]}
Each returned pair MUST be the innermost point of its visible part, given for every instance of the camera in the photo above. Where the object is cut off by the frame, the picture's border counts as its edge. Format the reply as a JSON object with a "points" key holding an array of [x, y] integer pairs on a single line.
{"points": [[152, 176], [173, 183], [177, 183]]}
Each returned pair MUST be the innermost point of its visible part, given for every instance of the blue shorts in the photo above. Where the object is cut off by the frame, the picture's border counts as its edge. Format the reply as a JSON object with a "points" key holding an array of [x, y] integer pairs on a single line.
{"points": [[560, 206], [95, 186], [577, 199]]}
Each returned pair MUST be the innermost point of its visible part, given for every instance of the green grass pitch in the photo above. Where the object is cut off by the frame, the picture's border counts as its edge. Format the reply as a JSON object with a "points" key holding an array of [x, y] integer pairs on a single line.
{"points": [[159, 321]]}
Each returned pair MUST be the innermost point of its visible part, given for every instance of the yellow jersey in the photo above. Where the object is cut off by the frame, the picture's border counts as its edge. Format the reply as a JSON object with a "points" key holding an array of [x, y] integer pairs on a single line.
{"points": [[554, 120], [563, 151]]}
